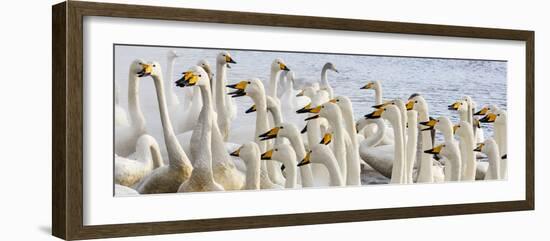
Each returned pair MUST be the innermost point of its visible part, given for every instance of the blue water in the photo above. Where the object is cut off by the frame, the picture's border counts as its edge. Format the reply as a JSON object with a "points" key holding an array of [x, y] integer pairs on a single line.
{"points": [[440, 81]]}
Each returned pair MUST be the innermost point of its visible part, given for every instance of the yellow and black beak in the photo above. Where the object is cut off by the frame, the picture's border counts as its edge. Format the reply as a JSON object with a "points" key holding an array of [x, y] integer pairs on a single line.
{"points": [[306, 160], [146, 70], [327, 138], [229, 60], [240, 87], [430, 124], [300, 94], [455, 128], [267, 155], [375, 114], [188, 79], [367, 86], [251, 109], [489, 118], [315, 110], [283, 67], [380, 105], [270, 134], [435, 150], [236, 152], [479, 147], [483, 111], [454, 106], [304, 109], [410, 105]]}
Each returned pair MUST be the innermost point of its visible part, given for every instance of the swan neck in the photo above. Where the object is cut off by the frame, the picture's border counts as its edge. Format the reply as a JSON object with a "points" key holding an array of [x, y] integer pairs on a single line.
{"points": [[172, 98], [219, 88], [378, 95], [399, 157], [334, 172], [252, 181], [273, 82], [324, 79], [134, 107], [176, 155], [379, 135]]}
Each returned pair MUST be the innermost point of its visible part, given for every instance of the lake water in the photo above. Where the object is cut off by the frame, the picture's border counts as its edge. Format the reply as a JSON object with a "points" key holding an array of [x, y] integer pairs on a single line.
{"points": [[440, 81]]}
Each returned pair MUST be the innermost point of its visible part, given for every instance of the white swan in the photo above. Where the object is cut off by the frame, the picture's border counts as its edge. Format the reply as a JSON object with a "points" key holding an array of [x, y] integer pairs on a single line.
{"points": [[168, 178], [285, 154], [324, 84], [126, 135], [290, 131], [187, 115], [322, 154], [344, 151], [224, 105], [444, 125], [451, 152], [250, 154], [465, 133], [225, 171], [171, 97], [202, 177], [498, 118], [426, 168], [146, 158], [370, 130], [277, 66], [412, 143], [393, 115], [490, 148], [254, 88]]}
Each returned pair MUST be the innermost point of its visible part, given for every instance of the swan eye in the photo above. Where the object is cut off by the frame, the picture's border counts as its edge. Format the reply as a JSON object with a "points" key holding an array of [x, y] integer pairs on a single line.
{"points": [[276, 149], [154, 65], [498, 114], [416, 101], [281, 127], [200, 75], [249, 82]]}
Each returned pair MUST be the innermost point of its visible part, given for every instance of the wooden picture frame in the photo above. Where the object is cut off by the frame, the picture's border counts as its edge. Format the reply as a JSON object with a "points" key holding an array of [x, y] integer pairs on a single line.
{"points": [[67, 123]]}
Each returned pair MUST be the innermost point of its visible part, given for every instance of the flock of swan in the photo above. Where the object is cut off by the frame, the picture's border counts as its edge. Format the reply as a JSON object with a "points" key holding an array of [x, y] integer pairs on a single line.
{"points": [[304, 136]]}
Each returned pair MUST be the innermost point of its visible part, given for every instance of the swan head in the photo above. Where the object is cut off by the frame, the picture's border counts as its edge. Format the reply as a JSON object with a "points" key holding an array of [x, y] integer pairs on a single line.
{"points": [[386, 112], [372, 85], [172, 54], [195, 76], [486, 109], [284, 129], [418, 103], [137, 66], [316, 154], [442, 124], [206, 66], [449, 149], [497, 117], [308, 91], [278, 65], [486, 146], [326, 110], [251, 87], [463, 128], [280, 152], [248, 151], [460, 106], [343, 102], [330, 66], [150, 69], [224, 59]]}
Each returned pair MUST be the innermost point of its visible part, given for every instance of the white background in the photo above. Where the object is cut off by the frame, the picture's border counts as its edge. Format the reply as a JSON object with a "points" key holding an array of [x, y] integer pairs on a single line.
{"points": [[26, 120]]}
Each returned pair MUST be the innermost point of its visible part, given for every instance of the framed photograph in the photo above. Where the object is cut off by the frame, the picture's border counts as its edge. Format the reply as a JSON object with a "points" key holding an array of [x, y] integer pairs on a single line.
{"points": [[172, 120]]}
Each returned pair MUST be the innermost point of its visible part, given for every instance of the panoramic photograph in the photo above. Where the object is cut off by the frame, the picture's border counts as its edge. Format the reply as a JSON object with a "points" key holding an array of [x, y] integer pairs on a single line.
{"points": [[192, 119]]}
